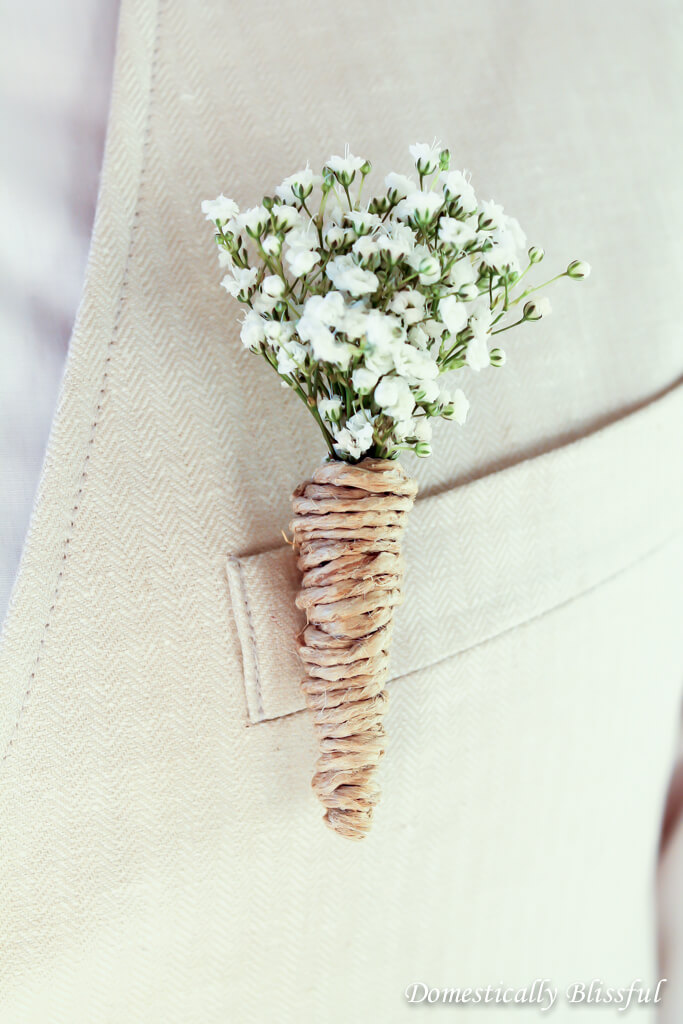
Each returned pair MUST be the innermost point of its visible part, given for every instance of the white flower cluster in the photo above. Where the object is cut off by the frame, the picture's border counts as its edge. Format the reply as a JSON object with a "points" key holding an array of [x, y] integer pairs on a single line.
{"points": [[362, 307]]}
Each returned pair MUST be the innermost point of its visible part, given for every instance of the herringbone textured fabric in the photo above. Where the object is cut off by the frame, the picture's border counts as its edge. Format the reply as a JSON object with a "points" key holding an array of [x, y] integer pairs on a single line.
{"points": [[162, 855]]}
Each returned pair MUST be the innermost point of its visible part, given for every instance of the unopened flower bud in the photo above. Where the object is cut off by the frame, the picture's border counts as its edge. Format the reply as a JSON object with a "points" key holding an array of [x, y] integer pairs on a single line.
{"points": [[497, 357], [578, 269], [272, 244], [444, 160], [366, 168], [536, 254], [335, 237], [536, 309], [302, 191], [380, 204], [422, 449], [468, 292]]}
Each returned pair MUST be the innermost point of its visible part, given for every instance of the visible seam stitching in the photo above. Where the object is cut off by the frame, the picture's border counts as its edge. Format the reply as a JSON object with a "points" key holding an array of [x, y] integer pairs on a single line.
{"points": [[104, 383], [252, 636], [518, 625]]}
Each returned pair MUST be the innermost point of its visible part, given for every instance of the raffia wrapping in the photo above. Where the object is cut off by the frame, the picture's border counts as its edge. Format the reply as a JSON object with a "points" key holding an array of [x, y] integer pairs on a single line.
{"points": [[347, 532]]}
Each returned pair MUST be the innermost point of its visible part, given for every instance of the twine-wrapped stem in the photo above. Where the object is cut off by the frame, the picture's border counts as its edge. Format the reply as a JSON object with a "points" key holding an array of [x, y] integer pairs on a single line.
{"points": [[347, 534]]}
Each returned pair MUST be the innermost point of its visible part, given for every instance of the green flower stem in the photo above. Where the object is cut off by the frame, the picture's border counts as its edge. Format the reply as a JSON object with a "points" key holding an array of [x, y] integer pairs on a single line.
{"points": [[509, 326], [538, 287], [296, 387]]}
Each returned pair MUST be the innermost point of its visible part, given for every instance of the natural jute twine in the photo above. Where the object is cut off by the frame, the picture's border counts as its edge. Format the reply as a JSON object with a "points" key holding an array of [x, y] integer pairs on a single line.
{"points": [[347, 534]]}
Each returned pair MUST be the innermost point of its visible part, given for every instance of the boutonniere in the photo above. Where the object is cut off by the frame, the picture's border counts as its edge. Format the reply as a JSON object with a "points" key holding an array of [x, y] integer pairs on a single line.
{"points": [[361, 306]]}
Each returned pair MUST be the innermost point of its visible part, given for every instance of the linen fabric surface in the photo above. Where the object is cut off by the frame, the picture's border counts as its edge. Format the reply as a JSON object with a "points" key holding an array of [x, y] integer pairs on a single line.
{"points": [[55, 81], [163, 857]]}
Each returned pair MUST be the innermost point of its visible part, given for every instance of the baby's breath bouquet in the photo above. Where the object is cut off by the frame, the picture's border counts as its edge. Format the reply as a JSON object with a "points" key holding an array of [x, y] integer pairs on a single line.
{"points": [[362, 306]]}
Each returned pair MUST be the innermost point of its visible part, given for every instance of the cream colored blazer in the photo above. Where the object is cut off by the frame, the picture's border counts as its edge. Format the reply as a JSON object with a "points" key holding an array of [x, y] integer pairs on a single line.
{"points": [[162, 854]]}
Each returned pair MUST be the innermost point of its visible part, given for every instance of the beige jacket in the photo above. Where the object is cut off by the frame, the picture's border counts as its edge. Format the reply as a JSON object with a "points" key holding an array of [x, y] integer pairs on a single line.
{"points": [[162, 856]]}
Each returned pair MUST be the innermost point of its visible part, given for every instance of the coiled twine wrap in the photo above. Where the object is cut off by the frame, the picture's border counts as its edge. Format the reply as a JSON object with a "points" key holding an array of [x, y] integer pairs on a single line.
{"points": [[347, 530]]}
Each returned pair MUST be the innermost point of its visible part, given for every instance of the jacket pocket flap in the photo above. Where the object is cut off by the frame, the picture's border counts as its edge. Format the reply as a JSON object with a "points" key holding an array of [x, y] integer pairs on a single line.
{"points": [[489, 555]]}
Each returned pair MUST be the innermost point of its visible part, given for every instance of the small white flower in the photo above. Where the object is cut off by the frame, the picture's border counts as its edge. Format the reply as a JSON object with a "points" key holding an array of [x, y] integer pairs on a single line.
{"points": [[477, 354], [409, 304], [345, 164], [285, 217], [481, 317], [225, 260], [382, 330], [418, 337], [279, 332], [263, 303], [326, 347], [400, 241], [359, 423], [430, 391], [303, 236], [423, 429], [272, 245], [415, 363], [329, 309], [501, 258], [301, 261], [434, 328], [462, 273], [334, 236], [365, 247], [393, 394], [344, 167], [253, 330], [492, 215], [355, 321], [347, 276], [404, 428], [273, 285], [330, 408], [421, 207], [222, 209], [427, 265], [455, 232], [290, 357], [399, 185], [345, 444], [426, 157], [364, 380], [303, 181], [460, 406], [356, 437], [254, 220], [453, 313], [362, 221], [240, 281], [457, 186]]}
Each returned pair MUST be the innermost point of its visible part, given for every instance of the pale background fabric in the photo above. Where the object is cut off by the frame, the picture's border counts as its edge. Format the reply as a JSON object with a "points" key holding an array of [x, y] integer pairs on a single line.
{"points": [[162, 859], [55, 83]]}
